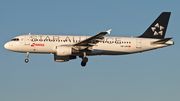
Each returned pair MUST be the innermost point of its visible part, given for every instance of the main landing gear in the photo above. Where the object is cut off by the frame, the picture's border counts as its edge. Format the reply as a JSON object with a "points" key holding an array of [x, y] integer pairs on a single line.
{"points": [[27, 56], [84, 59]]}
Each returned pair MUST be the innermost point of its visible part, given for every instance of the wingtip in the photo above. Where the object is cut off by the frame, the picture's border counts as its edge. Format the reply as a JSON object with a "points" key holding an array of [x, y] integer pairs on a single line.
{"points": [[109, 31]]}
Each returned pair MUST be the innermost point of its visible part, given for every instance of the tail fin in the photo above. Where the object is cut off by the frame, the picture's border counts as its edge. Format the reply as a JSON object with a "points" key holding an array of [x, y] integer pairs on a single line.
{"points": [[158, 27]]}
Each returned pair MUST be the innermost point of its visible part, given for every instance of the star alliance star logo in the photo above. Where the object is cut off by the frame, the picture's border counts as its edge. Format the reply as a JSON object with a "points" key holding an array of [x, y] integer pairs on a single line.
{"points": [[157, 29]]}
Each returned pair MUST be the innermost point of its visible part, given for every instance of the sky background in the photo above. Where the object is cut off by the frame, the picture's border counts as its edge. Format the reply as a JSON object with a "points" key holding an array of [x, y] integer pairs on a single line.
{"points": [[147, 76]]}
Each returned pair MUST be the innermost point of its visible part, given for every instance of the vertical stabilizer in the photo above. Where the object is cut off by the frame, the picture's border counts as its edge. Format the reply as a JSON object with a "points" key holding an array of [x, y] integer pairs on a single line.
{"points": [[158, 27]]}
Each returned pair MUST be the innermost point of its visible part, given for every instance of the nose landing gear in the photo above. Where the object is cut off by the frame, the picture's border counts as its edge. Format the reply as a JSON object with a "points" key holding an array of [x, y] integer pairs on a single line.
{"points": [[27, 55]]}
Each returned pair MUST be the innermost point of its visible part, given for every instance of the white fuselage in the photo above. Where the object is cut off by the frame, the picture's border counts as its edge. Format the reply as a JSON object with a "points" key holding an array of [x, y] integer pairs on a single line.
{"points": [[109, 46]]}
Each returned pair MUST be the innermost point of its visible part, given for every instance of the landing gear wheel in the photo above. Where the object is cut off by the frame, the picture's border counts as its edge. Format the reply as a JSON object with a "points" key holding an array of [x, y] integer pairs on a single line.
{"points": [[85, 59], [83, 63], [26, 60]]}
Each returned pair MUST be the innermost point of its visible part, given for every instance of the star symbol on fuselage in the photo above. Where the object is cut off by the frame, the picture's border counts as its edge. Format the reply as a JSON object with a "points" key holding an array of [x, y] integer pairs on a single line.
{"points": [[157, 29]]}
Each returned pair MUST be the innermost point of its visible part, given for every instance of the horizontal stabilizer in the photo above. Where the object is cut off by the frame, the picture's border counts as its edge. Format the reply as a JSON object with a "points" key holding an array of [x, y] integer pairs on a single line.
{"points": [[161, 41]]}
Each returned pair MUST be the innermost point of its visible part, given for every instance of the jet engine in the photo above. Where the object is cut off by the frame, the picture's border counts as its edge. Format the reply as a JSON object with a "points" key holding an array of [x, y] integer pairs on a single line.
{"points": [[63, 51], [63, 58]]}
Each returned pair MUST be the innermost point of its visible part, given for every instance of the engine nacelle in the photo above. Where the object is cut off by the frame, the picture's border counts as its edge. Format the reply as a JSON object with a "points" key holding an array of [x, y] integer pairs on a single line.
{"points": [[63, 58], [63, 51]]}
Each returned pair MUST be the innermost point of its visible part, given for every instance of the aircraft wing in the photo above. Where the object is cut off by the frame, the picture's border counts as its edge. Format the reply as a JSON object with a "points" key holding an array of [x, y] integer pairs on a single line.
{"points": [[92, 41]]}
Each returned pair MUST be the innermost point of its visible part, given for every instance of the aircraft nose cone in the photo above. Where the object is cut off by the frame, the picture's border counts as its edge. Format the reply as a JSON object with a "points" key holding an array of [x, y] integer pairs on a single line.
{"points": [[6, 46]]}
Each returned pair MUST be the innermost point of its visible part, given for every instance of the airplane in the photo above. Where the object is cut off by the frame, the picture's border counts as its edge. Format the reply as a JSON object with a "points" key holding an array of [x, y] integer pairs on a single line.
{"points": [[68, 47]]}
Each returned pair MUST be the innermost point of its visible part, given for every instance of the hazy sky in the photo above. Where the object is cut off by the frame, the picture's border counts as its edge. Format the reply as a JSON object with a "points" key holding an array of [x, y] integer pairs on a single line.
{"points": [[147, 76]]}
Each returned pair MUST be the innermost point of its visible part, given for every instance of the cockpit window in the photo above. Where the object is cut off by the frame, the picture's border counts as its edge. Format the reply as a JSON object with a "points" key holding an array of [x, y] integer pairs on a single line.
{"points": [[15, 39]]}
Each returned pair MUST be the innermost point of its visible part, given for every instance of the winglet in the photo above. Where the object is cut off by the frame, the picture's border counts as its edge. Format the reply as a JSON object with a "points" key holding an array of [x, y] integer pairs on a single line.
{"points": [[109, 31]]}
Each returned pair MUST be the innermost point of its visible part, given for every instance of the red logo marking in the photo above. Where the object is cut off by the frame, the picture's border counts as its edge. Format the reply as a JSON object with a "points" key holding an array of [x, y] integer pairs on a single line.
{"points": [[35, 44]]}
